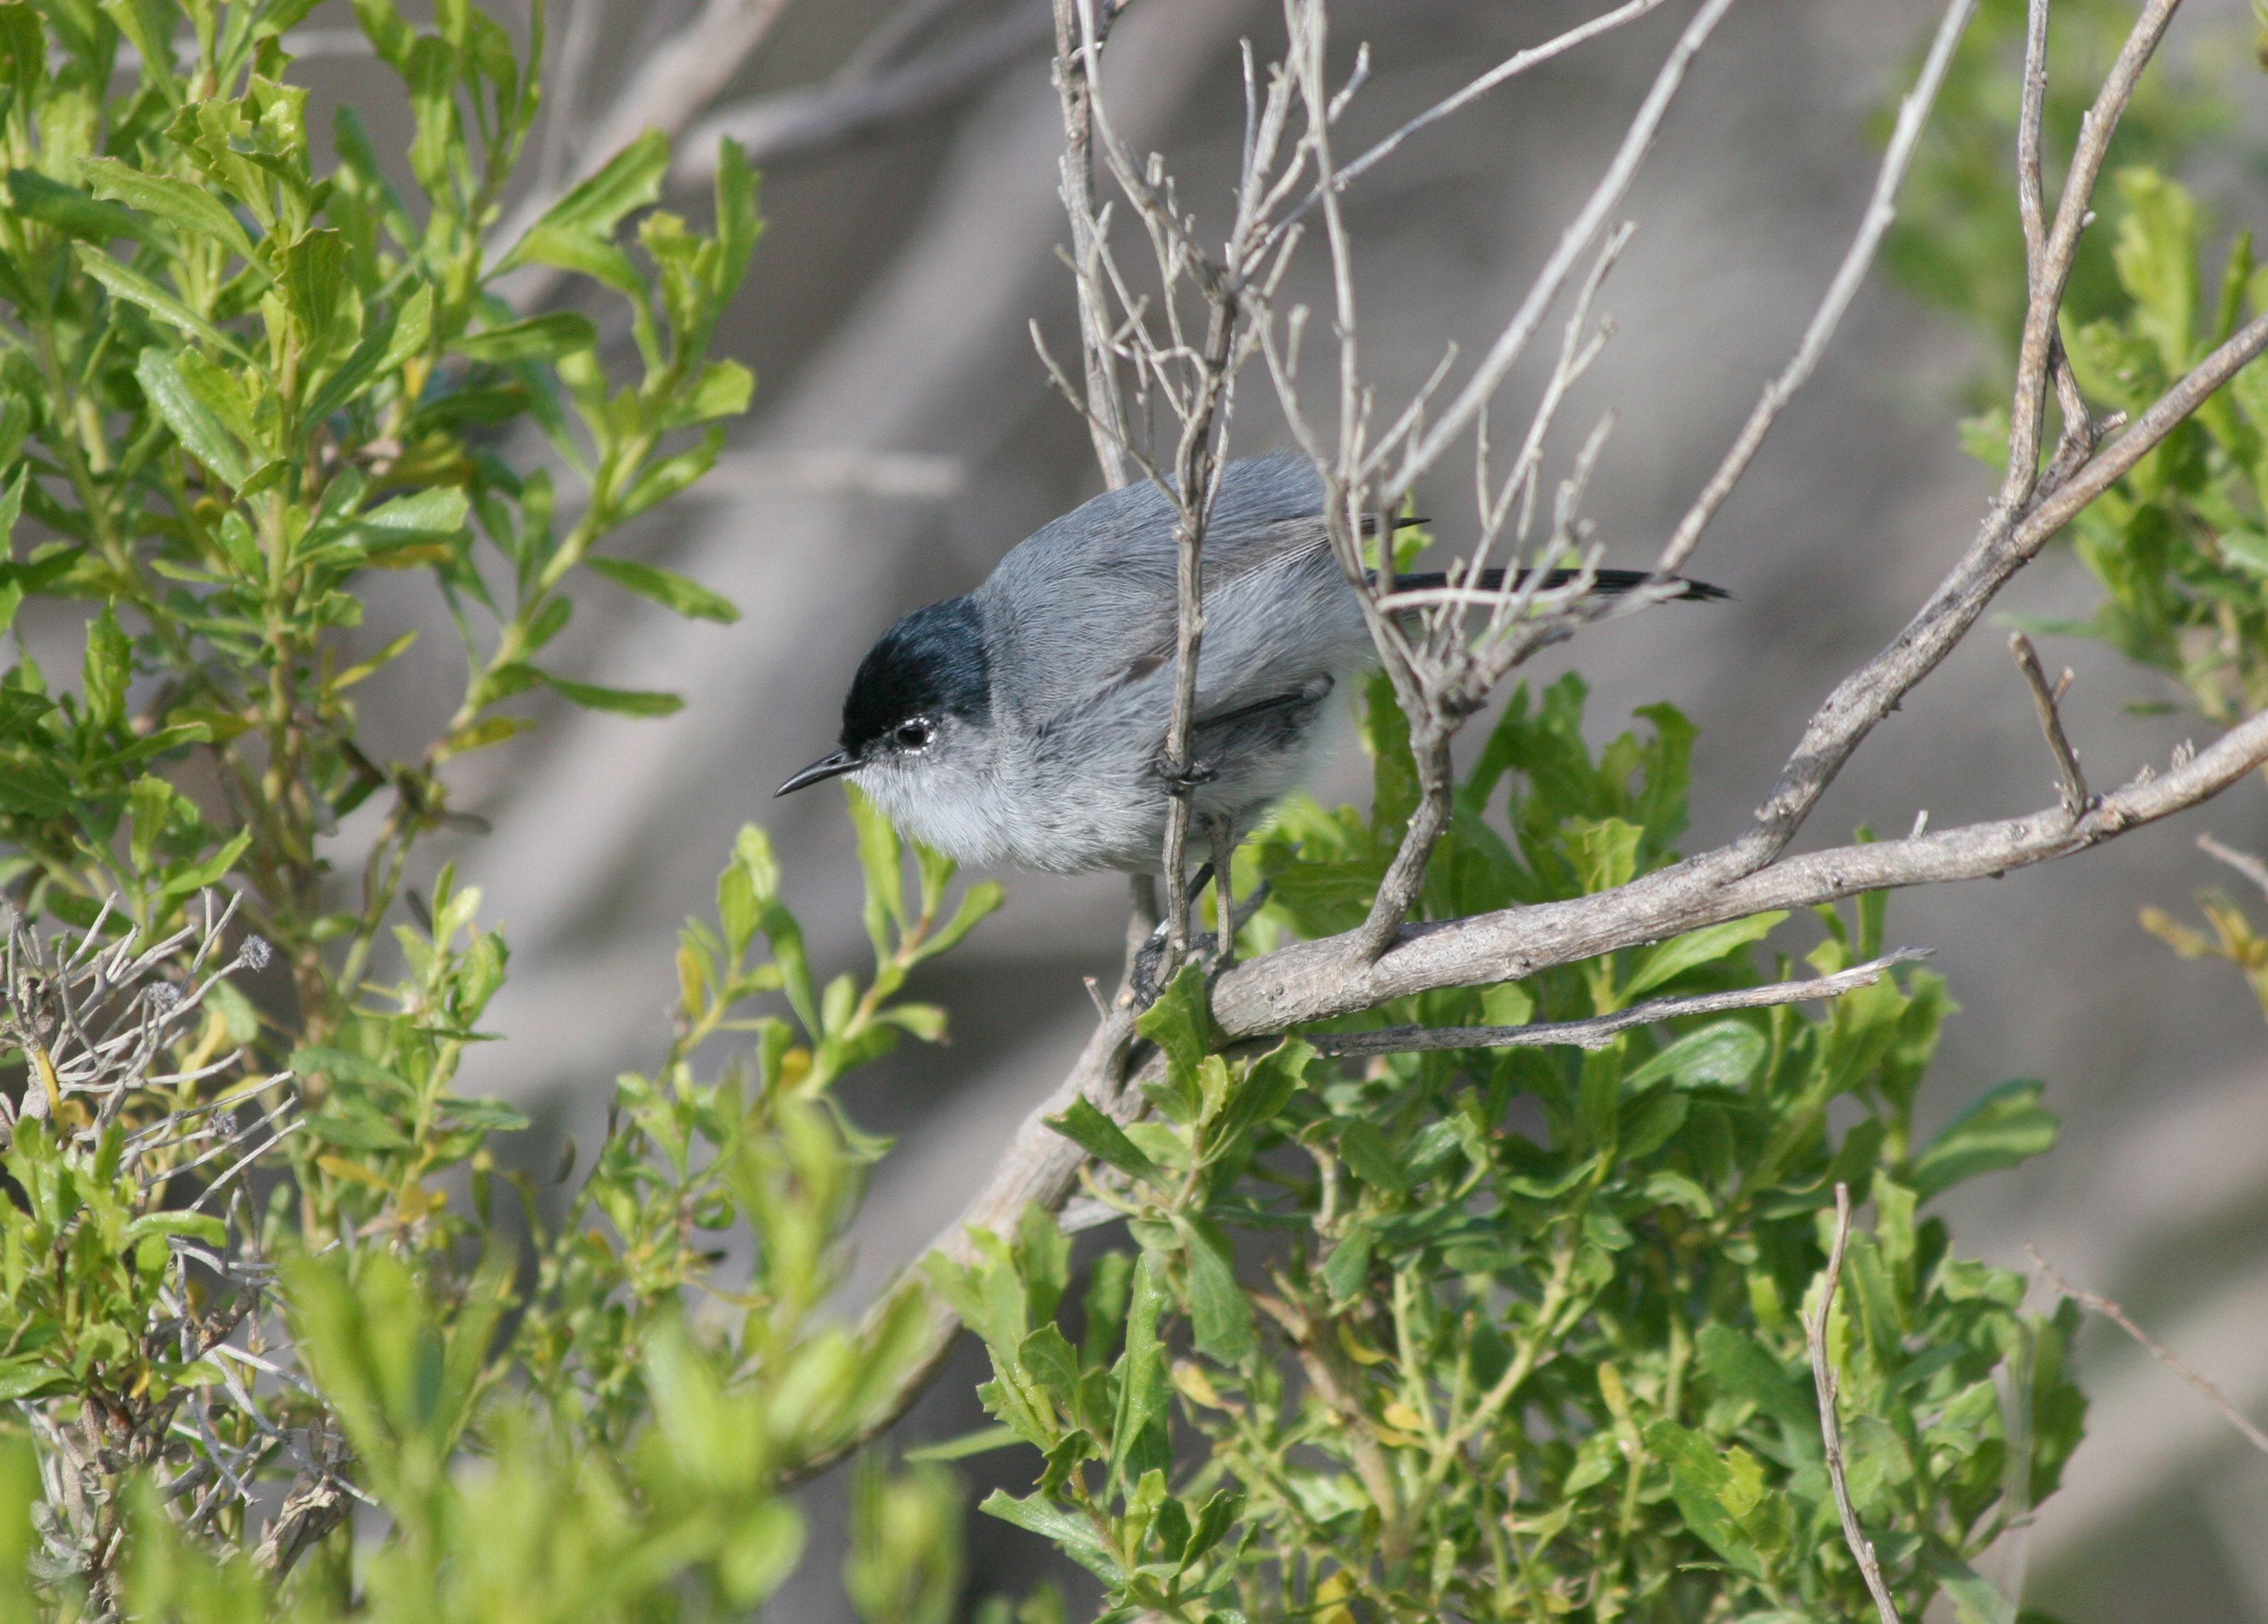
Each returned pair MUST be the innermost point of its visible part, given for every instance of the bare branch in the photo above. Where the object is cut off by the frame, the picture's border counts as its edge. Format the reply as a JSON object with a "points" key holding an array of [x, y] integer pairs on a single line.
{"points": [[798, 122], [1519, 63], [1913, 113], [1308, 981], [2158, 1350], [2004, 544], [1831, 1430], [2052, 273], [1599, 1031], [1604, 199]]}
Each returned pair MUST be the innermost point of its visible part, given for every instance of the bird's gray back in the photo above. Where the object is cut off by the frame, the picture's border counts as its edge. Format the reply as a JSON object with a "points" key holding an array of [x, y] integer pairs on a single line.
{"points": [[1087, 596]]}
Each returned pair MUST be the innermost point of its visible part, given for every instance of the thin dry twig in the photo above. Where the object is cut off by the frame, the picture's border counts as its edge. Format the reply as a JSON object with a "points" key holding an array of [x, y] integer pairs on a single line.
{"points": [[1831, 1430], [2157, 1350], [2047, 702], [1881, 209], [1600, 1030], [1427, 448], [2244, 862]]}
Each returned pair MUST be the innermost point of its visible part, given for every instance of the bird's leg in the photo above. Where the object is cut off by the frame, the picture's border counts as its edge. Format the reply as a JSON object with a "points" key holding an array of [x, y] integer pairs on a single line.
{"points": [[1223, 833], [1152, 955]]}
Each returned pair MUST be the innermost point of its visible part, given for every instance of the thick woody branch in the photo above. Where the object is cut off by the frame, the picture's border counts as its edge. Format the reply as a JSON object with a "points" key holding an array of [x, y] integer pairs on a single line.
{"points": [[1309, 980], [2004, 544], [1600, 1030]]}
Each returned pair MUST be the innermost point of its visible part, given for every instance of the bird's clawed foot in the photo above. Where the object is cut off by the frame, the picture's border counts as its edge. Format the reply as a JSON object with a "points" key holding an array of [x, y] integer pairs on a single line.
{"points": [[1204, 946]]}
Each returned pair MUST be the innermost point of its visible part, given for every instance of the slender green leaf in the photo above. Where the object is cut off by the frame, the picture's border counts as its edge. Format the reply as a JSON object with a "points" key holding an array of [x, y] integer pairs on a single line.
{"points": [[672, 591], [1682, 953], [620, 702], [1087, 1127]]}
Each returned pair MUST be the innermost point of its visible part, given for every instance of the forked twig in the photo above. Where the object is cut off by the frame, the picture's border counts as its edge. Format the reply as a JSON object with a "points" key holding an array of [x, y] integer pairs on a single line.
{"points": [[1824, 1380], [2047, 701]]}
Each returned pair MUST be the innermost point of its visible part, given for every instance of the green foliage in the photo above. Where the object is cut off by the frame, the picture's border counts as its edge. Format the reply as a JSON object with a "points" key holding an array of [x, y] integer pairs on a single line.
{"points": [[233, 381], [1958, 242], [2178, 546], [231, 385], [1516, 1333]]}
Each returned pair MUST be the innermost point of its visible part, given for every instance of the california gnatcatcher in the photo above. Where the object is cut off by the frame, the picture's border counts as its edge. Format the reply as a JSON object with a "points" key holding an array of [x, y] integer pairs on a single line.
{"points": [[1026, 722]]}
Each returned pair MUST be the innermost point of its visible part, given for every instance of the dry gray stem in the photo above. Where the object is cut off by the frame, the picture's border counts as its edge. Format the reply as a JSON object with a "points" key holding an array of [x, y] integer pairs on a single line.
{"points": [[2047, 702], [1600, 1030], [2157, 1350]]}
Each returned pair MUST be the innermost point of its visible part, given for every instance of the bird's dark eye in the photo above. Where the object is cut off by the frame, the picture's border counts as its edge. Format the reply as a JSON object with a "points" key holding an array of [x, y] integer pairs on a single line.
{"points": [[912, 735]]}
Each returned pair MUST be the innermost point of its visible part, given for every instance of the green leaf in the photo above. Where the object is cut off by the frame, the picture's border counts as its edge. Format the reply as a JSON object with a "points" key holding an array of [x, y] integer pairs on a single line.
{"points": [[136, 288], [198, 876], [30, 1377], [722, 390], [664, 479], [1220, 1313], [322, 296], [1711, 1491], [1138, 1433], [1075, 1535], [629, 179], [1682, 953], [71, 211], [688, 598], [1723, 1055], [196, 1225], [621, 702], [1087, 1126], [491, 1116], [190, 208], [109, 667], [1348, 1268], [980, 899], [1371, 1159], [2004, 1129], [346, 1067], [194, 424], [355, 1133], [1737, 1366], [1180, 1022], [539, 338]]}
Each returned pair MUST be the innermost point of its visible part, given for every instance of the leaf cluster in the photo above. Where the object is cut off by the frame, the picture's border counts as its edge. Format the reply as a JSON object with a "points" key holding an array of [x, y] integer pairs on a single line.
{"points": [[1518, 1334]]}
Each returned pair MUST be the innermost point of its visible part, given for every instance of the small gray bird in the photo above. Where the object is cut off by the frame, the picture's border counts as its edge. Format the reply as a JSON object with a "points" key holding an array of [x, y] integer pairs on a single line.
{"points": [[1026, 722]]}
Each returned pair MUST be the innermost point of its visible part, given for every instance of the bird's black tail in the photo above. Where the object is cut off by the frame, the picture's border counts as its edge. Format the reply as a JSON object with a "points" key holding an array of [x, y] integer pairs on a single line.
{"points": [[1607, 582]]}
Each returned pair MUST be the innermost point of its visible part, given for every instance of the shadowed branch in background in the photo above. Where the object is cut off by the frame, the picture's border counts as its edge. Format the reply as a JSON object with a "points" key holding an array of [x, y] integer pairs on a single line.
{"points": [[1443, 672], [896, 74]]}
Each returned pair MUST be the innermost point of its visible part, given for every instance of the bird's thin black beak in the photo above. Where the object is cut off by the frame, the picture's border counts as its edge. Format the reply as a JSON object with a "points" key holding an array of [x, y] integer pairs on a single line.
{"points": [[827, 767]]}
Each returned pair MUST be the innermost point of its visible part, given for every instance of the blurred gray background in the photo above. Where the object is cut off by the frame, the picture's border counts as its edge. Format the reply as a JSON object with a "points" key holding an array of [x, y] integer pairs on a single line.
{"points": [[903, 438]]}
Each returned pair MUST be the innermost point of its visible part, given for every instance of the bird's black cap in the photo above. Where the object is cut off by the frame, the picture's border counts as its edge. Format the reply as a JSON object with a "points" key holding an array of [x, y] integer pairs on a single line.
{"points": [[930, 664]]}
